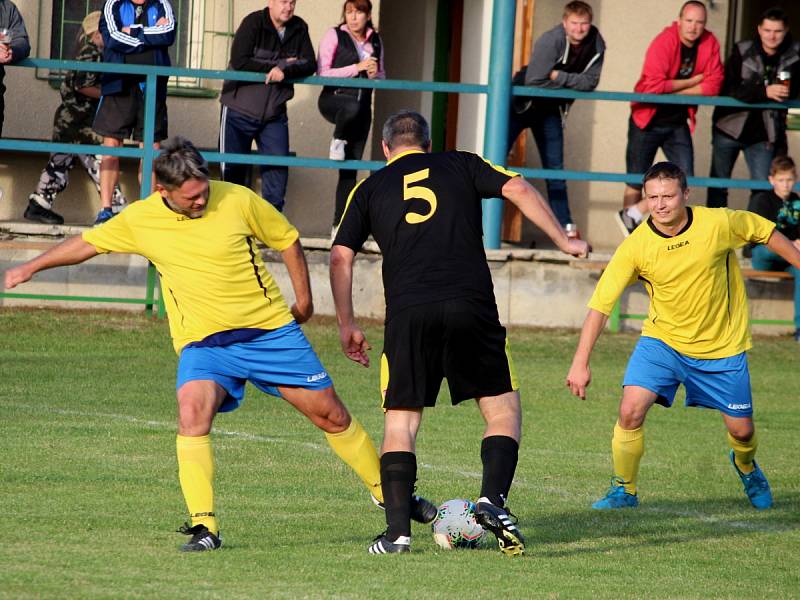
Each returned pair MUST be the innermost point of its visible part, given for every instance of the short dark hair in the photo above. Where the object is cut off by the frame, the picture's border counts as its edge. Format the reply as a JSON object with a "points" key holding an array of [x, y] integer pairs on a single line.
{"points": [[781, 164], [406, 128], [776, 13], [690, 3], [666, 170], [577, 7], [179, 162]]}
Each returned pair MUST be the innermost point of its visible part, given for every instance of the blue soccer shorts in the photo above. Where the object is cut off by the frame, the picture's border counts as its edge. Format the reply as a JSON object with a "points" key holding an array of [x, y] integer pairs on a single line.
{"points": [[280, 357], [722, 384]]}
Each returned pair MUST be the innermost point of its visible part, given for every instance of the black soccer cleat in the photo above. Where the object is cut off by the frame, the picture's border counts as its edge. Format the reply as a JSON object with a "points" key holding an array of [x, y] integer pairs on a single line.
{"points": [[382, 545], [499, 522], [202, 539], [422, 510]]}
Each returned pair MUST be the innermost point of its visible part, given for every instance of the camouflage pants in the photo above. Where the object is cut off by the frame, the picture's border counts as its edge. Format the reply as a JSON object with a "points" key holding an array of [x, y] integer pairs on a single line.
{"points": [[55, 176]]}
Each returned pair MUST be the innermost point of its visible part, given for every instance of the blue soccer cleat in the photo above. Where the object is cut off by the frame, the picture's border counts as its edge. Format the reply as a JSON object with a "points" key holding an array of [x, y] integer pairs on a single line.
{"points": [[104, 215], [617, 497], [755, 485]]}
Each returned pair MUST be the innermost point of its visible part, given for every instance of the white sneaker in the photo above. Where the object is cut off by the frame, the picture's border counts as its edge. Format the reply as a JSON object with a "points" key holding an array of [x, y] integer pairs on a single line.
{"points": [[337, 149]]}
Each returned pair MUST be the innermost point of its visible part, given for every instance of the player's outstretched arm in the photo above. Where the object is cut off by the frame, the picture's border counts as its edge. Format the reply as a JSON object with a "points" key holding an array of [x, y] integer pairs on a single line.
{"points": [[71, 251], [784, 247], [580, 375], [536, 209], [354, 344], [296, 265]]}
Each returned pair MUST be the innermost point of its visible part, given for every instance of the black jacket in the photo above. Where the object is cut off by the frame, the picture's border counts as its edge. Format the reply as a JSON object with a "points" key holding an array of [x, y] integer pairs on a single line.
{"points": [[258, 47], [745, 79]]}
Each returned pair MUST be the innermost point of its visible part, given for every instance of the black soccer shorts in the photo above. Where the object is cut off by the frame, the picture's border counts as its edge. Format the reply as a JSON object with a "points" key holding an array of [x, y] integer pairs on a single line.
{"points": [[461, 340]]}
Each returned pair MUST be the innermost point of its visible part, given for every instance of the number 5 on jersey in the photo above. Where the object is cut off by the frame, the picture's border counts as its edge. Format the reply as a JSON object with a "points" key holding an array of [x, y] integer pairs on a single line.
{"points": [[420, 192]]}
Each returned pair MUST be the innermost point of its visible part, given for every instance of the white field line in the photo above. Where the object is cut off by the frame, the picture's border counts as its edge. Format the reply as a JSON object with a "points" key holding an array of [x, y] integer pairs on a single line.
{"points": [[518, 482]]}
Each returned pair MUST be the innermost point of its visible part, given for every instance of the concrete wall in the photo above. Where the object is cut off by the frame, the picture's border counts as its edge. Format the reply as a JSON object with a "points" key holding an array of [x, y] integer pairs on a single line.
{"points": [[532, 288]]}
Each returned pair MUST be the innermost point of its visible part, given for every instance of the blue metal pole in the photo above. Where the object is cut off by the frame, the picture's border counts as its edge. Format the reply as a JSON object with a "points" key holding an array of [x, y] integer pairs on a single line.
{"points": [[150, 91], [497, 106]]}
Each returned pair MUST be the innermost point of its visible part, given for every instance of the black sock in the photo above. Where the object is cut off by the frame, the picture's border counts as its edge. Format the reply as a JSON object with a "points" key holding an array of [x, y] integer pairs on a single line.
{"points": [[398, 474], [499, 457]]}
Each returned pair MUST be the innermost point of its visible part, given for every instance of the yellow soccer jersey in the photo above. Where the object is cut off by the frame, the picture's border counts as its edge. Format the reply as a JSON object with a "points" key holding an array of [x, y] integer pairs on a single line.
{"points": [[212, 276], [698, 304]]}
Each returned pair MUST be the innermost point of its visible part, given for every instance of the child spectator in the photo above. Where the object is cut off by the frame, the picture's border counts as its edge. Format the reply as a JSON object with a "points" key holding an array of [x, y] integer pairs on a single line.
{"points": [[72, 124], [781, 205]]}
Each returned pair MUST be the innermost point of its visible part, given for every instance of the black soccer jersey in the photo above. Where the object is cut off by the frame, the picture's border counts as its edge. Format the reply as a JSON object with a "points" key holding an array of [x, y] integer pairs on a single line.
{"points": [[424, 212]]}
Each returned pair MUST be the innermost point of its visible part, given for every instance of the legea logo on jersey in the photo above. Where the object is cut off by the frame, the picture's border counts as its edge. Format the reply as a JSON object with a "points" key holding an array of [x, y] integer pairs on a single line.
{"points": [[317, 377], [678, 245]]}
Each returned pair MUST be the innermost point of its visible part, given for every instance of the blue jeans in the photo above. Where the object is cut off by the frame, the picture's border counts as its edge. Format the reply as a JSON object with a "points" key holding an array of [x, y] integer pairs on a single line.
{"points": [[676, 142], [237, 132], [548, 133], [765, 259], [724, 152]]}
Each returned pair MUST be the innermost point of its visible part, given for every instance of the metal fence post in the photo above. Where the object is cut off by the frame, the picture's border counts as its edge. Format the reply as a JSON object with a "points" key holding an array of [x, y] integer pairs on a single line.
{"points": [[497, 107], [150, 91]]}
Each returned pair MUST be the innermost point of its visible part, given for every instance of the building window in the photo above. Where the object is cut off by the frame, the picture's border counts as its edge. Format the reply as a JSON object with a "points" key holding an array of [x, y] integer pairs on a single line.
{"points": [[187, 51]]}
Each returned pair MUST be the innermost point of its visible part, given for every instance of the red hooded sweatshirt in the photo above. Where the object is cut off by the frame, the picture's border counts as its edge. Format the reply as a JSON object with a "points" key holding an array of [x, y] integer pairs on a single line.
{"points": [[661, 64]]}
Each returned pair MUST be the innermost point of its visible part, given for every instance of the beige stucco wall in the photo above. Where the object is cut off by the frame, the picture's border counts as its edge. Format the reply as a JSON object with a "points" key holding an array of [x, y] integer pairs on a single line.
{"points": [[30, 104]]}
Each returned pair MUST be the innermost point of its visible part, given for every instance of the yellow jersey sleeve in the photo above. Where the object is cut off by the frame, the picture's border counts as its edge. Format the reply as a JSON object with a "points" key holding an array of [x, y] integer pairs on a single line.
{"points": [[269, 225], [115, 235], [619, 274], [746, 227]]}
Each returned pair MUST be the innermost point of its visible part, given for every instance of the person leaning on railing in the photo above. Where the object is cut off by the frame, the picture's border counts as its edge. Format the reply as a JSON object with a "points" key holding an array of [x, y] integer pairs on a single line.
{"points": [[137, 32], [569, 56], [351, 49], [14, 45], [763, 69], [273, 41], [72, 124], [682, 59]]}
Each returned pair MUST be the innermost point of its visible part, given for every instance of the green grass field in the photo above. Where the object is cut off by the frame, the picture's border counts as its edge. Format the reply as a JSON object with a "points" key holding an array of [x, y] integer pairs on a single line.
{"points": [[90, 497]]}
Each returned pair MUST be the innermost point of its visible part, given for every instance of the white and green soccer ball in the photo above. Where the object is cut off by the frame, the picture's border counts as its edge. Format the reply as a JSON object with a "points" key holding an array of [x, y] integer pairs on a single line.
{"points": [[455, 526]]}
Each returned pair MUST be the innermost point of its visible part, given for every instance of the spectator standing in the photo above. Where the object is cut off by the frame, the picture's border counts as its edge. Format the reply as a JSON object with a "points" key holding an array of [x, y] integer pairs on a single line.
{"points": [[351, 49], [781, 205], [273, 41], [137, 32], [72, 124], [14, 45], [683, 59], [758, 70], [568, 56]]}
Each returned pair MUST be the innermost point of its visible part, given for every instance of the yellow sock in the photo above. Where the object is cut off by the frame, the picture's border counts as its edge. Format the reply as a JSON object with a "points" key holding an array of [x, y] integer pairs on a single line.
{"points": [[355, 448], [627, 448], [196, 473], [744, 452]]}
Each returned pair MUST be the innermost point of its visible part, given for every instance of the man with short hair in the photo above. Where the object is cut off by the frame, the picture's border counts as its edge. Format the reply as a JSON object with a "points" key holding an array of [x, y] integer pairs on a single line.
{"points": [[424, 212], [273, 41], [229, 321], [135, 32], [696, 333], [683, 59], [763, 69], [14, 46], [568, 56], [781, 205]]}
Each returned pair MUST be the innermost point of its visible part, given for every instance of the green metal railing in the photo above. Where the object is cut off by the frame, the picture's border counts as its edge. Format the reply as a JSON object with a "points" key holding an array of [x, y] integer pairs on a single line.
{"points": [[498, 91]]}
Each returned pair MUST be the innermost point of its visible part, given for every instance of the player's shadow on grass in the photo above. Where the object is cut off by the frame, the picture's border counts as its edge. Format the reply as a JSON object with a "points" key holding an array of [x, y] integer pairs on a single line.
{"points": [[657, 523]]}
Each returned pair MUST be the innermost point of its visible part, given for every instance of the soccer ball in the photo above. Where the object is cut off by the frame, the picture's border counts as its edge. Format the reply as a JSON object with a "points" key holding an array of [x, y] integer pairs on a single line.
{"points": [[455, 526]]}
